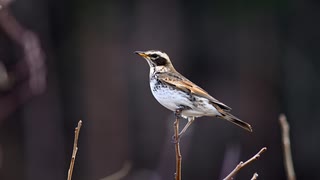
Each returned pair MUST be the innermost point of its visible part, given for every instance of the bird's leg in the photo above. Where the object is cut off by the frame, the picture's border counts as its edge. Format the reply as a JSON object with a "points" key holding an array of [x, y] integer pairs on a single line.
{"points": [[177, 114], [190, 121]]}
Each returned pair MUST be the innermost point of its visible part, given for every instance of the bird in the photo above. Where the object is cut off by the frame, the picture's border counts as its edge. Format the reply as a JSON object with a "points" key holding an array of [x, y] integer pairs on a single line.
{"points": [[175, 92]]}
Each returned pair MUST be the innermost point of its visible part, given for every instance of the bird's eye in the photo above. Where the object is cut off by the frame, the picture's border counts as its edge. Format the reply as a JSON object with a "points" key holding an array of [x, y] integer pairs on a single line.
{"points": [[154, 56]]}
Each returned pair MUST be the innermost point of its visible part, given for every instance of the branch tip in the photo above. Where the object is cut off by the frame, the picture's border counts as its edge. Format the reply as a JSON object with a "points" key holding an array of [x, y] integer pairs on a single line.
{"points": [[288, 163], [241, 164], [255, 176], [75, 149]]}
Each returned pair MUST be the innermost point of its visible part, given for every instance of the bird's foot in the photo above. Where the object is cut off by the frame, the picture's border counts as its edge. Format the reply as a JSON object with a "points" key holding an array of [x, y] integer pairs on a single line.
{"points": [[179, 110], [177, 113], [175, 140]]}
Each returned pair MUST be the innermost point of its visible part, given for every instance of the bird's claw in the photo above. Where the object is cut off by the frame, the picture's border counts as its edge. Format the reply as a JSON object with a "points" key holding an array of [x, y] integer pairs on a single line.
{"points": [[175, 140], [177, 113]]}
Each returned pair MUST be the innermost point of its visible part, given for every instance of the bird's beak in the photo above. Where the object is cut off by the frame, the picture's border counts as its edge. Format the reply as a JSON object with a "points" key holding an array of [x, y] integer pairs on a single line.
{"points": [[141, 53]]}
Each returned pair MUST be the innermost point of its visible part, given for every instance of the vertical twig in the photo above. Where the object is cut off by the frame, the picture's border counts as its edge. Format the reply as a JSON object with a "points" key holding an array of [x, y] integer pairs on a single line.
{"points": [[243, 164], [75, 149], [255, 176], [177, 147], [286, 147]]}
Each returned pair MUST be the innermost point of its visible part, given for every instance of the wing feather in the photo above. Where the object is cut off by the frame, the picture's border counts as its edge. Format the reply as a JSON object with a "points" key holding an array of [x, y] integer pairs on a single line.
{"points": [[186, 85]]}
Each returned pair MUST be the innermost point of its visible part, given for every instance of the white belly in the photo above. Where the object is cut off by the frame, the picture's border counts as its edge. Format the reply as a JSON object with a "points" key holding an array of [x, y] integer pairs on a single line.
{"points": [[169, 97], [173, 99]]}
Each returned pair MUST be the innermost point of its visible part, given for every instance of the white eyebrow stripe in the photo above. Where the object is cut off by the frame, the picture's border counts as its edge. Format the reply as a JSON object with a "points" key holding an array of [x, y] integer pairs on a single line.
{"points": [[161, 54]]}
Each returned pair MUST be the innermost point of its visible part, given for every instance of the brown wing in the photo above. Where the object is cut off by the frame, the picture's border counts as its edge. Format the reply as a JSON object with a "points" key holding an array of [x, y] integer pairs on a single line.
{"points": [[184, 84]]}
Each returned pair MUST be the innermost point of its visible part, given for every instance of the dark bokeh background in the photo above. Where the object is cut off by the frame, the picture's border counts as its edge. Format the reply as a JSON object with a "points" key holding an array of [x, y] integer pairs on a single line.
{"points": [[61, 61]]}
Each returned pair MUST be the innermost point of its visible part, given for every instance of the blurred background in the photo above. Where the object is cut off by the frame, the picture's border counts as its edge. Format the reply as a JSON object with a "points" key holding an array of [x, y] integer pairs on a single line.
{"points": [[62, 61]]}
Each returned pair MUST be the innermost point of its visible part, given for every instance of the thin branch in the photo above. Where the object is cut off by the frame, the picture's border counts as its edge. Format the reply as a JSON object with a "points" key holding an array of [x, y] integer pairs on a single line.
{"points": [[75, 149], [243, 164], [177, 147], [288, 163], [255, 176]]}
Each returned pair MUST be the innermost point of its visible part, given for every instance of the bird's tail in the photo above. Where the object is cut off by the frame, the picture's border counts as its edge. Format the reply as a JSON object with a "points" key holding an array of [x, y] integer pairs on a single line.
{"points": [[236, 121], [227, 116]]}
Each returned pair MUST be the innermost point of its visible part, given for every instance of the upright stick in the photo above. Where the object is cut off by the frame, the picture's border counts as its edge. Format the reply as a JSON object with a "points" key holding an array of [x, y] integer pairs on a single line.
{"points": [[177, 146], [75, 149], [287, 147]]}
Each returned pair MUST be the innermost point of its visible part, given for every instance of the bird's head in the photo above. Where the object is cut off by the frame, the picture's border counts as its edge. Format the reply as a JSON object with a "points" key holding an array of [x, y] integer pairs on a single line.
{"points": [[155, 58]]}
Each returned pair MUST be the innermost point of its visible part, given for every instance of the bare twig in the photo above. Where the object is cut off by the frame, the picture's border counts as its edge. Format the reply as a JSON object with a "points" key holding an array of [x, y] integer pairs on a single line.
{"points": [[286, 147], [177, 147], [243, 164], [75, 149], [123, 172], [255, 176]]}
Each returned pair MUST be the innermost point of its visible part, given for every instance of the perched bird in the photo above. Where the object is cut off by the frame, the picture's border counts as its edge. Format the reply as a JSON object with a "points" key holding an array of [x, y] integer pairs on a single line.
{"points": [[175, 92]]}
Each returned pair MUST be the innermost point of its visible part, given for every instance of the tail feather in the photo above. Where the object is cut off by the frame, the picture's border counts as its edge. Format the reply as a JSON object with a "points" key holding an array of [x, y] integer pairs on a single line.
{"points": [[231, 118], [236, 121]]}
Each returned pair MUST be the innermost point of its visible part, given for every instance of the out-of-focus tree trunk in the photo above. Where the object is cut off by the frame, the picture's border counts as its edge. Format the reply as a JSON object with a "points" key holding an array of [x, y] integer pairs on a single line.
{"points": [[105, 88]]}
